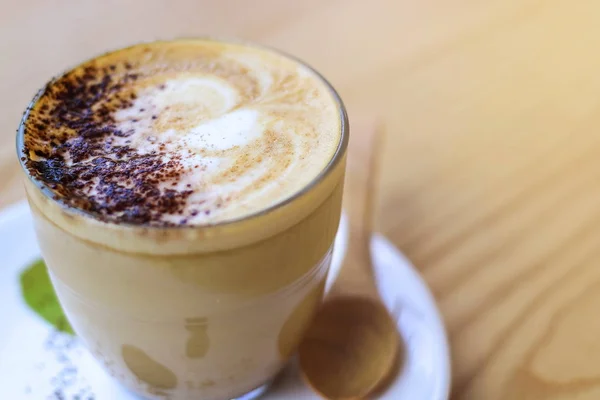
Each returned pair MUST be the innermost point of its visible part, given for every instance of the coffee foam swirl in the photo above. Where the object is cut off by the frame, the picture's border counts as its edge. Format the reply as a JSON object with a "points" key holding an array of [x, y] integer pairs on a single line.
{"points": [[186, 132]]}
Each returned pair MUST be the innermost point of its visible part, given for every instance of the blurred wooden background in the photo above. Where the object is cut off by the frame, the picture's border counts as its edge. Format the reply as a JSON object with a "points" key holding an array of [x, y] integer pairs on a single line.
{"points": [[492, 110]]}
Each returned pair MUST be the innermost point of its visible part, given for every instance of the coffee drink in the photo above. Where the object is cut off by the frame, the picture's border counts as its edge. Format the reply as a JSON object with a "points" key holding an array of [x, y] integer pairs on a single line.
{"points": [[186, 195]]}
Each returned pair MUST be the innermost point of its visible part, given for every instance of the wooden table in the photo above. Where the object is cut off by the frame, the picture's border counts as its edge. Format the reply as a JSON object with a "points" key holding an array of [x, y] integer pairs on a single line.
{"points": [[492, 111]]}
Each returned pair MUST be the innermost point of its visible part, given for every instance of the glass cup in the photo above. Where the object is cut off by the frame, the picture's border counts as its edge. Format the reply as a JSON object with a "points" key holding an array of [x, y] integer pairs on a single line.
{"points": [[193, 312]]}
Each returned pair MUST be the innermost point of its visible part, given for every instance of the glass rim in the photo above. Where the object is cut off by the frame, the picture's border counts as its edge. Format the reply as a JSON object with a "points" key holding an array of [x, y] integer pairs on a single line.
{"points": [[336, 158]]}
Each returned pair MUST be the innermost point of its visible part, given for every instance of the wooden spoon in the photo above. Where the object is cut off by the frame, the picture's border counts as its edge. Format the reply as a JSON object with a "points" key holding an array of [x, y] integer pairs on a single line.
{"points": [[352, 344]]}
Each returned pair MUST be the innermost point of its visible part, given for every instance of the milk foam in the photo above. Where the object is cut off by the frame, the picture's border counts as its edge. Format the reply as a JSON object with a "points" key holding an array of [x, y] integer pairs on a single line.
{"points": [[248, 128]]}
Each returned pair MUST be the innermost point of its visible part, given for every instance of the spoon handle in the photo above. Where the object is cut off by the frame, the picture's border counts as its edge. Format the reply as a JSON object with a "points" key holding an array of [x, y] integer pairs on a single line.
{"points": [[362, 176]]}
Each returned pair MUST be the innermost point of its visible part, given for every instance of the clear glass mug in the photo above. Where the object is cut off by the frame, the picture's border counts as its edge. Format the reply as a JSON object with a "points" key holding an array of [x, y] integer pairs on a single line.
{"points": [[202, 312]]}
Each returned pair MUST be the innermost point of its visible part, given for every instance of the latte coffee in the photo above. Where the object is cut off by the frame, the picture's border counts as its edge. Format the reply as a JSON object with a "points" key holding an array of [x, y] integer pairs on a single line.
{"points": [[186, 195]]}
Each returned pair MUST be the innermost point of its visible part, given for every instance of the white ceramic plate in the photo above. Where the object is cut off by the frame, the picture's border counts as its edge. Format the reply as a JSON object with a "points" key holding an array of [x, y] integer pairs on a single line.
{"points": [[38, 363]]}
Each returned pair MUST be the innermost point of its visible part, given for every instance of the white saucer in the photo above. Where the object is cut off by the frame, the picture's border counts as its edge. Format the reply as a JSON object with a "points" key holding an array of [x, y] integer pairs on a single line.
{"points": [[35, 360]]}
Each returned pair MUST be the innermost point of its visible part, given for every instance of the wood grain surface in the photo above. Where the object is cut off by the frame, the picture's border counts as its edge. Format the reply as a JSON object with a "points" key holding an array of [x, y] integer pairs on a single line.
{"points": [[491, 181]]}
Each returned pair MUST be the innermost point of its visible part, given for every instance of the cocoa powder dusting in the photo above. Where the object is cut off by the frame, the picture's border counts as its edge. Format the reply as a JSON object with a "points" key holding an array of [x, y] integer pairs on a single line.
{"points": [[69, 147]]}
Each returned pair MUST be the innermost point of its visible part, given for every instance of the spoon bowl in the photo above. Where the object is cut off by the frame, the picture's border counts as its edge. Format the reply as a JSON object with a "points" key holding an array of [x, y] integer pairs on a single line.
{"points": [[356, 338]]}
